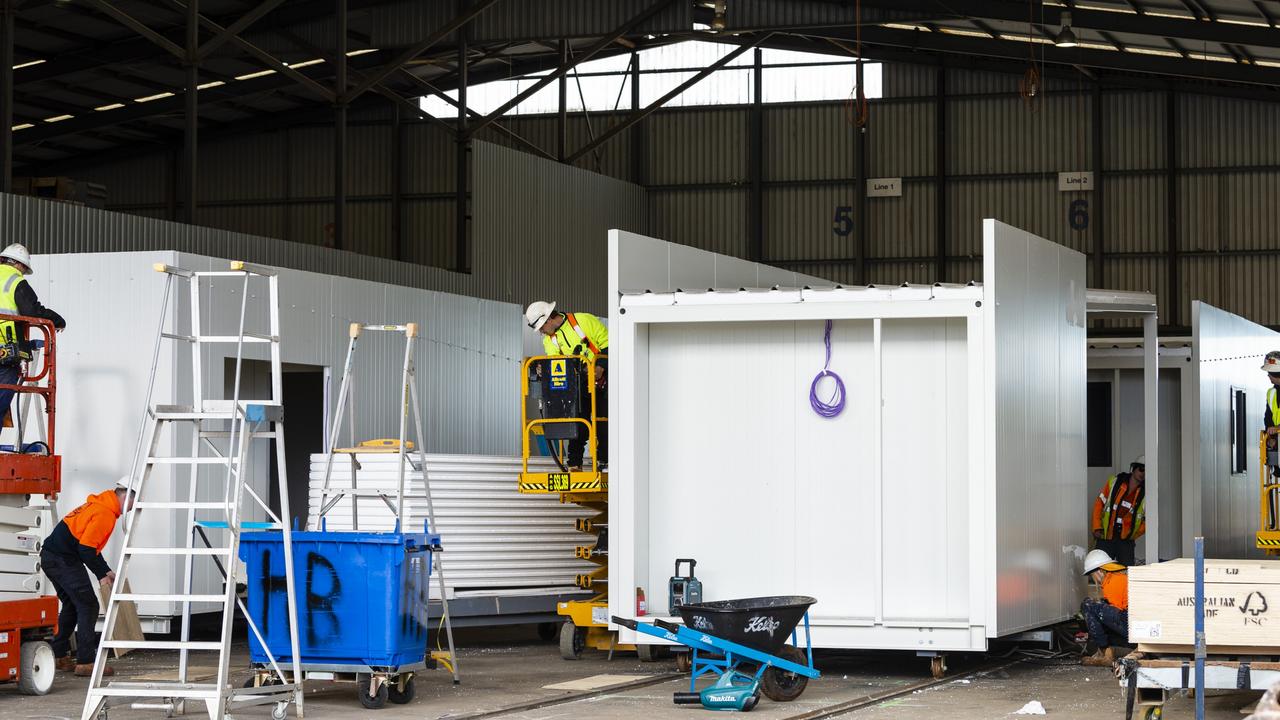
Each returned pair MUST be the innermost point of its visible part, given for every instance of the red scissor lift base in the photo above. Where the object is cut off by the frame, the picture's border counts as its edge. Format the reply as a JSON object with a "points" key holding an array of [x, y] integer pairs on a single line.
{"points": [[33, 619]]}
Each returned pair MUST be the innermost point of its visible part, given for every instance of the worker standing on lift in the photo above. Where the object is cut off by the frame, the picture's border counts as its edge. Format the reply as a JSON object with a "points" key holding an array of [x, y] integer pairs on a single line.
{"points": [[1271, 413], [17, 298], [584, 335], [1119, 512]]}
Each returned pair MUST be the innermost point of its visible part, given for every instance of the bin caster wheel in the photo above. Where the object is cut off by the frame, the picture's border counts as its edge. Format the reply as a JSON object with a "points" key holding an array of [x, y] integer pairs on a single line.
{"points": [[938, 667], [684, 662], [649, 653], [573, 640], [279, 711], [398, 696], [37, 668], [780, 685], [371, 702]]}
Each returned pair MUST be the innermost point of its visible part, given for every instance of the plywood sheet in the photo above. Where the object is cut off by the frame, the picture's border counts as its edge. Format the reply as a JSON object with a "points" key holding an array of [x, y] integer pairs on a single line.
{"points": [[128, 626], [1241, 604]]}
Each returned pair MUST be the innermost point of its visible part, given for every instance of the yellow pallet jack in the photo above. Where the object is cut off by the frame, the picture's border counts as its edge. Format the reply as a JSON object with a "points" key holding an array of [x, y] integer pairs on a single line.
{"points": [[1268, 535], [550, 388]]}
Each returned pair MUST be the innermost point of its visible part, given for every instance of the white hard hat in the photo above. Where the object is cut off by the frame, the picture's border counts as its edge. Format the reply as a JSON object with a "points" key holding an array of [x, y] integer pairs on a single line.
{"points": [[18, 252], [123, 483], [1272, 362], [1140, 460], [538, 313], [1097, 559]]}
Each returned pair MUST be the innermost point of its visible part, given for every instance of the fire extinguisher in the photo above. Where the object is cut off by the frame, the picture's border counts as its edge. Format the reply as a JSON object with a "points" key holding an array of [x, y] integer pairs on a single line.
{"points": [[642, 608]]}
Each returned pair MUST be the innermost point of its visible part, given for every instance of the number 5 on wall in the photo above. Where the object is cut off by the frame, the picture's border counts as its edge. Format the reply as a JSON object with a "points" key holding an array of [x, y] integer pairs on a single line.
{"points": [[842, 225]]}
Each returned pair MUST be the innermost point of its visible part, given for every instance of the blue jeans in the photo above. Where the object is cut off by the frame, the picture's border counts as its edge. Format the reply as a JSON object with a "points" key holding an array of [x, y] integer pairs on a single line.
{"points": [[9, 375], [1104, 621]]}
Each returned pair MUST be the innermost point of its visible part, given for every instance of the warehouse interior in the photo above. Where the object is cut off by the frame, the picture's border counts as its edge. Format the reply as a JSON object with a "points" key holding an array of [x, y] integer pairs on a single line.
{"points": [[879, 319]]}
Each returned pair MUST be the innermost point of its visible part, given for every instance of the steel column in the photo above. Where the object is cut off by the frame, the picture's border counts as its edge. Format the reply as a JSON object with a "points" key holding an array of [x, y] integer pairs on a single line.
{"points": [[562, 119], [340, 128], [462, 260], [637, 133], [397, 181], [1099, 198], [1151, 431], [860, 191], [1174, 306], [940, 172], [7, 12], [191, 114], [756, 251]]}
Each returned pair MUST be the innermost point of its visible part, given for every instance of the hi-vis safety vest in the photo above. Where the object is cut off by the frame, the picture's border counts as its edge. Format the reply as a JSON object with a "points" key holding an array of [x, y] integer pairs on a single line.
{"points": [[1119, 510], [1275, 408], [10, 277], [563, 348]]}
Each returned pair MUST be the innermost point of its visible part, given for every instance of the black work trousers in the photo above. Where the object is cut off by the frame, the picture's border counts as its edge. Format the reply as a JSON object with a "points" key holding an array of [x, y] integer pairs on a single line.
{"points": [[578, 445], [1120, 550], [79, 611]]}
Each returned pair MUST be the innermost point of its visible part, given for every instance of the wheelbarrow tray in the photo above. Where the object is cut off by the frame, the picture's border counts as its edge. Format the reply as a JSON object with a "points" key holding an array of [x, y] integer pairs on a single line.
{"points": [[760, 623]]}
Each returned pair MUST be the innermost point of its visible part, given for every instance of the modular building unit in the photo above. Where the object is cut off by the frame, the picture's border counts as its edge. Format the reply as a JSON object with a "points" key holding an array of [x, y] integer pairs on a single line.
{"points": [[939, 510], [468, 370]]}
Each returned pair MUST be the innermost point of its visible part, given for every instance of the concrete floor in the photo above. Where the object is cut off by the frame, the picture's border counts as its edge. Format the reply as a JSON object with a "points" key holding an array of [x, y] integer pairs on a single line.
{"points": [[507, 667]]}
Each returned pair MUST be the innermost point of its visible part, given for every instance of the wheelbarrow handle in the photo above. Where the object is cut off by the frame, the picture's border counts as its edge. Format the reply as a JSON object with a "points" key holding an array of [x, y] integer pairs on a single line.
{"points": [[624, 622], [668, 626]]}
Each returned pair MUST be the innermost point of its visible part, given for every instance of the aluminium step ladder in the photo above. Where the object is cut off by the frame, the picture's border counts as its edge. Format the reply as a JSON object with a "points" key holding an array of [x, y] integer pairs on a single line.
{"points": [[330, 496], [217, 478]]}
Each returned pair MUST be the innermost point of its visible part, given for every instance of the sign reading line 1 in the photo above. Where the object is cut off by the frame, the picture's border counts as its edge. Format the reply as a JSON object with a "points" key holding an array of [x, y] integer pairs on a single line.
{"points": [[884, 187]]}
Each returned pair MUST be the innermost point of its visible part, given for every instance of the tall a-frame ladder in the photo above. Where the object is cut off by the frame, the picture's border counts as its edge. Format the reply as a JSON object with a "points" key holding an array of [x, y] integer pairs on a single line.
{"points": [[222, 432]]}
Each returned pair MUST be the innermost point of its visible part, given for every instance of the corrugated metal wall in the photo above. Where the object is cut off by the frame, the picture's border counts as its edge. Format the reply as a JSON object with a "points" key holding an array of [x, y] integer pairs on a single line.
{"points": [[1000, 157]]}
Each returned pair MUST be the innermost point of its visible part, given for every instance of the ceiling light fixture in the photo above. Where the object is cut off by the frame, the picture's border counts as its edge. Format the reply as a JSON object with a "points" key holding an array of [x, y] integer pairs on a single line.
{"points": [[157, 96], [22, 126], [58, 118], [29, 63], [1065, 37], [112, 106], [717, 21]]}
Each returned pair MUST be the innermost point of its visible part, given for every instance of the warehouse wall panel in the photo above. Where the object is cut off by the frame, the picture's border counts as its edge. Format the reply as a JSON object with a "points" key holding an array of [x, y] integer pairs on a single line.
{"points": [[714, 220], [898, 80], [923, 272], [1134, 130], [798, 223], [1137, 215], [808, 142], [140, 178], [1001, 135], [903, 226], [1227, 132], [901, 139], [1032, 204], [698, 146], [1229, 211]]}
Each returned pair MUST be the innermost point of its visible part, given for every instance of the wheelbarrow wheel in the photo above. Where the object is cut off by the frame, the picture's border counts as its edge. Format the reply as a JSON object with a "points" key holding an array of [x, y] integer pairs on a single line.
{"points": [[398, 696], [783, 686], [371, 702], [573, 640]]}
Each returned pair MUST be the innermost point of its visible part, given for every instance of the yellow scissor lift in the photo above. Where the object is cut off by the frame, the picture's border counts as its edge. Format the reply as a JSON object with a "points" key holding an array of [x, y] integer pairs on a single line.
{"points": [[1268, 537], [587, 621]]}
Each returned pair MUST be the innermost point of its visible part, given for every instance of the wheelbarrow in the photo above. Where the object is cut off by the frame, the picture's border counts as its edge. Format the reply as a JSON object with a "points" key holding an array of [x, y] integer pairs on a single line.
{"points": [[743, 643]]}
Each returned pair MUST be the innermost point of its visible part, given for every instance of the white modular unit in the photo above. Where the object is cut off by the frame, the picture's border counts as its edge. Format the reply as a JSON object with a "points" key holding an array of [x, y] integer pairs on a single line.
{"points": [[468, 372], [939, 510]]}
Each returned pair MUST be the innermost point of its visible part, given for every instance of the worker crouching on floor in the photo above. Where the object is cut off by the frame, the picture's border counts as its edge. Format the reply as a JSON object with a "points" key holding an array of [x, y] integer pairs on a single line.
{"points": [[1119, 512], [1108, 616], [584, 335], [76, 543]]}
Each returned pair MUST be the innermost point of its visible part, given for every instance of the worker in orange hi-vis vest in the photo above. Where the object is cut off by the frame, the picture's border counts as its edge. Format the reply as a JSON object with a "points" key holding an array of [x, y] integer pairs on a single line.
{"points": [[584, 335], [1119, 512], [76, 543]]}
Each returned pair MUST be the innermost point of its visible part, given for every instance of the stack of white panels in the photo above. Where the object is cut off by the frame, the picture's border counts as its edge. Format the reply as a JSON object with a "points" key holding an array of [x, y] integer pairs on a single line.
{"points": [[20, 538], [496, 540]]}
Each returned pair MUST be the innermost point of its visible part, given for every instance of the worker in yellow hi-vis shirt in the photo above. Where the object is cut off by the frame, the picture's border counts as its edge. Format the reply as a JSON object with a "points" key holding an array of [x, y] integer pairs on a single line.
{"points": [[577, 334]]}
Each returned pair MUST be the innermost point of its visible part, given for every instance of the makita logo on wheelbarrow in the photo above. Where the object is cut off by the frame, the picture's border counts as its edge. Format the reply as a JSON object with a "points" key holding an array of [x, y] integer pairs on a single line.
{"points": [[759, 623]]}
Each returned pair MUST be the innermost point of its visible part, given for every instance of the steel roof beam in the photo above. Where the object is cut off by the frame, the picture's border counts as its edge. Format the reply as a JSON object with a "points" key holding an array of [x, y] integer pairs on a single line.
{"points": [[137, 26], [621, 32], [1159, 26], [417, 49], [236, 27]]}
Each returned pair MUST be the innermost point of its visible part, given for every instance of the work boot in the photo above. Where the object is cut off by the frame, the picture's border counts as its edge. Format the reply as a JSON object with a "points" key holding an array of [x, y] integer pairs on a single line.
{"points": [[1102, 658], [65, 664], [86, 670]]}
